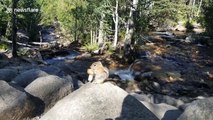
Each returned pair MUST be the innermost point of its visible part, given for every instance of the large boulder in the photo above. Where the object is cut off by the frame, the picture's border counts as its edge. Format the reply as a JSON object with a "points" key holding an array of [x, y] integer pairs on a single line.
{"points": [[14, 103], [49, 89], [99, 102], [7, 74], [158, 98], [199, 110], [28, 76], [163, 111]]}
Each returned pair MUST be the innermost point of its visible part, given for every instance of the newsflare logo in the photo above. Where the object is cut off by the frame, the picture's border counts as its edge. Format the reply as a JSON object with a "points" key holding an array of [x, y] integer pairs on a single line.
{"points": [[23, 10]]}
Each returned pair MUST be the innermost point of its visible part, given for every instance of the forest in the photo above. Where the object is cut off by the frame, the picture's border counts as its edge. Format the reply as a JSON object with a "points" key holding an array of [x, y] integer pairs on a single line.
{"points": [[106, 59]]}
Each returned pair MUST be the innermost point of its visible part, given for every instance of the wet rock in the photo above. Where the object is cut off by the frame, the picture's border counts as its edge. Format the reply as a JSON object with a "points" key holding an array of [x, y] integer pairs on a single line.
{"points": [[133, 86], [49, 89], [3, 56], [28, 76], [199, 110], [3, 63], [167, 76], [7, 74], [98, 102], [53, 70], [160, 75], [14, 103], [65, 67]]}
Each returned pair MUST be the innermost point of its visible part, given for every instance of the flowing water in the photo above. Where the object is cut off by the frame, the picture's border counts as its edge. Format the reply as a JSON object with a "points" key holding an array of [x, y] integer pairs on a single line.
{"points": [[70, 56]]}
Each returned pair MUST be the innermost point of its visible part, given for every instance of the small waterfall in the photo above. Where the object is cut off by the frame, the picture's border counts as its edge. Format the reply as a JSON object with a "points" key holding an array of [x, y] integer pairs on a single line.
{"points": [[72, 55], [124, 74]]}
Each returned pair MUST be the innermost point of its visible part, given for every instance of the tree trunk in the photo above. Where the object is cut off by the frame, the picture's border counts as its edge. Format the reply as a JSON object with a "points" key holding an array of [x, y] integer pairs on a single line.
{"points": [[198, 11], [130, 23], [14, 28], [91, 37], [116, 20], [100, 31]]}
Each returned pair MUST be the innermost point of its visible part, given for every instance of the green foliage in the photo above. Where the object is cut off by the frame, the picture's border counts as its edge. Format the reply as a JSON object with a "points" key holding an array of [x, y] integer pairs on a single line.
{"points": [[208, 17], [3, 46], [166, 13], [90, 47], [189, 26], [4, 16], [29, 21]]}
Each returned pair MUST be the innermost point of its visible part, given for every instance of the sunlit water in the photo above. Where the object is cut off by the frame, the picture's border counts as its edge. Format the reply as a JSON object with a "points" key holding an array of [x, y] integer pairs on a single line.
{"points": [[71, 56]]}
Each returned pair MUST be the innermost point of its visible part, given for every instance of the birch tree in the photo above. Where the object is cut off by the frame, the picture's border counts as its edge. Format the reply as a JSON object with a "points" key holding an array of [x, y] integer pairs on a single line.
{"points": [[116, 22], [130, 23]]}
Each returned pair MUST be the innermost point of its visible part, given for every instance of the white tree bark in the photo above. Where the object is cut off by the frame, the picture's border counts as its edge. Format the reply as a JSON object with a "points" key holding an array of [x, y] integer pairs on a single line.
{"points": [[101, 29], [198, 11], [130, 23], [116, 21]]}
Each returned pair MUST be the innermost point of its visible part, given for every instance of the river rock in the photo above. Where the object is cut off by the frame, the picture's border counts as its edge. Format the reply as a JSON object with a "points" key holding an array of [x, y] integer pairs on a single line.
{"points": [[163, 111], [3, 56], [7, 74], [99, 102], [28, 76], [49, 89], [52, 70], [14, 103], [198, 110], [3, 63], [157, 99]]}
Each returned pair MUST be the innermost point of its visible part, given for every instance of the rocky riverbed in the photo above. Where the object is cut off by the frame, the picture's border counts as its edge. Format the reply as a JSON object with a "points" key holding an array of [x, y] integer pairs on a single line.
{"points": [[170, 79]]}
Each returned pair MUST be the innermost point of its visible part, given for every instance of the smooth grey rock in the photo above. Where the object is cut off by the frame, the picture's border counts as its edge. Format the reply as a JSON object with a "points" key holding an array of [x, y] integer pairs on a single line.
{"points": [[49, 89], [14, 103], [28, 76], [99, 102], [7, 74], [198, 110], [157, 99], [142, 97], [163, 111]]}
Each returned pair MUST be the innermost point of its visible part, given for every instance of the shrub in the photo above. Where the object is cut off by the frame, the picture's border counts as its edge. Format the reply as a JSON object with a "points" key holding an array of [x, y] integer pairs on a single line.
{"points": [[208, 18], [90, 47]]}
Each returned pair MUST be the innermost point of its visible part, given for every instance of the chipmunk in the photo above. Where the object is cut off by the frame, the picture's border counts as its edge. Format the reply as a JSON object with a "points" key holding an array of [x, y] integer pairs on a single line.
{"points": [[97, 73]]}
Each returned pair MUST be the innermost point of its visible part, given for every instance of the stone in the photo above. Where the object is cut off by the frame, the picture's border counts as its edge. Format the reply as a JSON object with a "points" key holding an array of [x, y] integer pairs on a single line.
{"points": [[14, 103], [3, 56], [52, 70], [198, 110], [28, 76], [50, 89], [163, 111], [8, 74], [99, 102], [157, 98]]}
